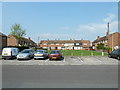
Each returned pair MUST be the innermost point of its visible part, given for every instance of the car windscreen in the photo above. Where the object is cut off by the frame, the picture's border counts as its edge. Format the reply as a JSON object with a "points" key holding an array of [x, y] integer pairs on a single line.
{"points": [[54, 52], [39, 52], [25, 51]]}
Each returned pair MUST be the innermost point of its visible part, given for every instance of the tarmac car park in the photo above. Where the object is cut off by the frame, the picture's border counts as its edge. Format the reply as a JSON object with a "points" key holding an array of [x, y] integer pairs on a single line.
{"points": [[66, 60]]}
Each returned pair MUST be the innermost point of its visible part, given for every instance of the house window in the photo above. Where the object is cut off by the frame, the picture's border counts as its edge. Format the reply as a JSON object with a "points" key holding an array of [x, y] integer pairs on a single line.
{"points": [[4, 37], [52, 43], [59, 47], [85, 43], [44, 47], [106, 41], [77, 44], [57, 44], [52, 47], [45, 44]]}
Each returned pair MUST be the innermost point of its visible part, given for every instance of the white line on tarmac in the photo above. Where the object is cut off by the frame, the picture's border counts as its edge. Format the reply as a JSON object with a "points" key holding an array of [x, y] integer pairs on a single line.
{"points": [[47, 60], [64, 59], [80, 59], [99, 59]]}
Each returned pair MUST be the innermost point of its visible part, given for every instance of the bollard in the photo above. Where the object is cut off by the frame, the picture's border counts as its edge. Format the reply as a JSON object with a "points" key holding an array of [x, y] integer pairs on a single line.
{"points": [[71, 54], [91, 53], [102, 53], [81, 54]]}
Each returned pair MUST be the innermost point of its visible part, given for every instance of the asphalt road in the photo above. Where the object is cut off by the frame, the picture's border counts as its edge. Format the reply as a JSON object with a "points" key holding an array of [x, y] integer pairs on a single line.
{"points": [[61, 76]]}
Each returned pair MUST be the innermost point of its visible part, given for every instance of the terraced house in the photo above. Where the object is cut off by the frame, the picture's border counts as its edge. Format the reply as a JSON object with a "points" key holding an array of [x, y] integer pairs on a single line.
{"points": [[65, 44], [3, 41], [12, 41], [110, 40]]}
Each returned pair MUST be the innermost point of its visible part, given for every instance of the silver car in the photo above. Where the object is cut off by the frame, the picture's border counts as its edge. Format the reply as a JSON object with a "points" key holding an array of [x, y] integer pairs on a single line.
{"points": [[40, 54], [26, 54]]}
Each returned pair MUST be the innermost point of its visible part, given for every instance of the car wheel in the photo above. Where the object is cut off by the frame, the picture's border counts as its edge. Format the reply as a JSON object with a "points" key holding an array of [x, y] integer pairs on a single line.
{"points": [[118, 57], [29, 57], [34, 58], [109, 56]]}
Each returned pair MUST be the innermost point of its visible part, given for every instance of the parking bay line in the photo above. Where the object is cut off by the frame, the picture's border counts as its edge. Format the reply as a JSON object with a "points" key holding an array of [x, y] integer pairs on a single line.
{"points": [[47, 60], [64, 59], [80, 59], [98, 59]]}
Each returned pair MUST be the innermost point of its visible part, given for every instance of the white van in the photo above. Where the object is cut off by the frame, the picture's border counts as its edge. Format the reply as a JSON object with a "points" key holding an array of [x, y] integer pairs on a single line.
{"points": [[8, 53]]}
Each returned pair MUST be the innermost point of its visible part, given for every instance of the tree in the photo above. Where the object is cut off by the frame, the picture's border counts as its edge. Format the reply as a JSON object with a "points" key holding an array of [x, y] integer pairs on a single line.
{"points": [[18, 32], [100, 46]]}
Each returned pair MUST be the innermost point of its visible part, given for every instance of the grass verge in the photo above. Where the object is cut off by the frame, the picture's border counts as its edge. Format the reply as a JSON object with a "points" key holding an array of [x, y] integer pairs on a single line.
{"points": [[80, 53]]}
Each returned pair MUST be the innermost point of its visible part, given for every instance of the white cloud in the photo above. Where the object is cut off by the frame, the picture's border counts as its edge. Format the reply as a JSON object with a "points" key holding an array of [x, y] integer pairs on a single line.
{"points": [[93, 27], [109, 18], [101, 27], [93, 30]]}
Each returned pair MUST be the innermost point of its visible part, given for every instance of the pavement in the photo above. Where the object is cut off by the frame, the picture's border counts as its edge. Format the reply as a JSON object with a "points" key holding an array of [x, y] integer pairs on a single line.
{"points": [[67, 60]]}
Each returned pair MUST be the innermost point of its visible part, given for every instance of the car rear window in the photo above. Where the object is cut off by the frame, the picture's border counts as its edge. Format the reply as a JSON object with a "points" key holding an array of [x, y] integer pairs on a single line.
{"points": [[25, 51], [39, 52], [54, 52]]}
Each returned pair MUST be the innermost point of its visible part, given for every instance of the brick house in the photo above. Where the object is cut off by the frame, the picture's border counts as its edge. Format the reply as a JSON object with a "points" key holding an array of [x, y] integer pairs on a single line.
{"points": [[65, 44], [12, 41], [111, 40], [3, 41]]}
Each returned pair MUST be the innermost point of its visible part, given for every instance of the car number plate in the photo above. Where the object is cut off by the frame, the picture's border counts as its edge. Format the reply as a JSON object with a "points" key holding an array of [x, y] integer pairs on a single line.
{"points": [[53, 57], [5, 54], [38, 55]]}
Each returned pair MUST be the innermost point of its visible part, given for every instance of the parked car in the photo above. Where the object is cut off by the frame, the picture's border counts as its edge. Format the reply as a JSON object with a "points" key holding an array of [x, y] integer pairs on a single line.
{"points": [[8, 53], [115, 54], [55, 54], [26, 54], [41, 54]]}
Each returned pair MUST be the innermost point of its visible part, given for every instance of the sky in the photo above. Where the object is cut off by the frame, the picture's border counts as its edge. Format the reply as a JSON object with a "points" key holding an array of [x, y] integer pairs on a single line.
{"points": [[61, 20]]}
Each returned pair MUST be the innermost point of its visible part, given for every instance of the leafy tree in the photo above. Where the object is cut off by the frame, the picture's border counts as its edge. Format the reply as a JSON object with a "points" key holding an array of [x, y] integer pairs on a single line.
{"points": [[101, 46], [18, 32]]}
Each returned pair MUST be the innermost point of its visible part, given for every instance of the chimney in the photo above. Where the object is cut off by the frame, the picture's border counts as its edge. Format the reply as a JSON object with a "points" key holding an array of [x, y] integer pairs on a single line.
{"points": [[98, 37], [29, 38], [107, 33]]}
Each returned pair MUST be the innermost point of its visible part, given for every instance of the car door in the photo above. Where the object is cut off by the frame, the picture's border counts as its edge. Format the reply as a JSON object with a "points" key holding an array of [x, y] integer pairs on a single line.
{"points": [[113, 53], [116, 53], [31, 53]]}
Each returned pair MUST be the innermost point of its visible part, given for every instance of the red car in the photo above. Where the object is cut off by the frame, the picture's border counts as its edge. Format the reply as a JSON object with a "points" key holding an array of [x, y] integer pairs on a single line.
{"points": [[55, 54]]}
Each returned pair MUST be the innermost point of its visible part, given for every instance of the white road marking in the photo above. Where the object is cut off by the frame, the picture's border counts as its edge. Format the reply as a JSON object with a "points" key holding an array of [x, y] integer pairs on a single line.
{"points": [[47, 60], [64, 59], [80, 59], [98, 59]]}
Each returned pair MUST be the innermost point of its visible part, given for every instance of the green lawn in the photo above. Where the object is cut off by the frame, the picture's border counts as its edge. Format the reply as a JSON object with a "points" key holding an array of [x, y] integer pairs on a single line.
{"points": [[80, 53], [0, 57]]}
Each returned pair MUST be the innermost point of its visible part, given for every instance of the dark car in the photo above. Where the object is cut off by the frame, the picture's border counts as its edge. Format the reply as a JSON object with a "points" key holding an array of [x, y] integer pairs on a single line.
{"points": [[115, 54], [55, 54]]}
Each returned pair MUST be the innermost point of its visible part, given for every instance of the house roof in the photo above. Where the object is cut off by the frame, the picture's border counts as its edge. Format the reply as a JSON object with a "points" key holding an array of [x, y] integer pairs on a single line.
{"points": [[103, 38], [100, 39], [25, 39], [3, 34], [64, 41]]}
